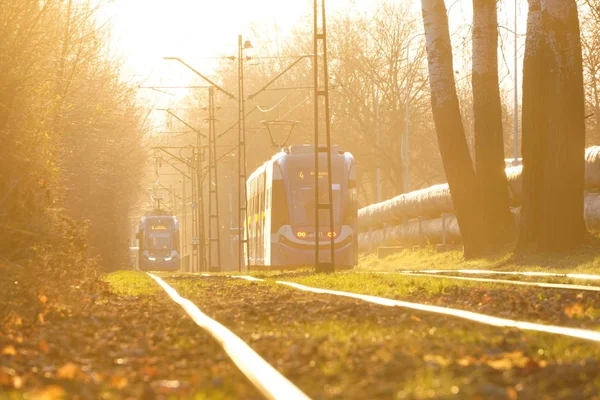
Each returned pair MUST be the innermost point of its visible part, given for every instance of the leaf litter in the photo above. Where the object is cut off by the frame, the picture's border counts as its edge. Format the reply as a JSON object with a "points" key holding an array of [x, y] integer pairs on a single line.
{"points": [[339, 348], [106, 346]]}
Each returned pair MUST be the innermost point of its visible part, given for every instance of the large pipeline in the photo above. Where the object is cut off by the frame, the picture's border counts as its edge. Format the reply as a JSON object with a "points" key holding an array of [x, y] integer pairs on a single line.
{"points": [[434, 201], [425, 216], [445, 229]]}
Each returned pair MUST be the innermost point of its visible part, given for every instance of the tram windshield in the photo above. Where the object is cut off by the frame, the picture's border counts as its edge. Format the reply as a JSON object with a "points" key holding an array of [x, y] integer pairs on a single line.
{"points": [[159, 233], [158, 241], [303, 200]]}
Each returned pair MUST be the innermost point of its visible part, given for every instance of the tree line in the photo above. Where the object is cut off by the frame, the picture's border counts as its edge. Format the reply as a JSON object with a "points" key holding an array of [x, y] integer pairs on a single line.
{"points": [[71, 133], [553, 115]]}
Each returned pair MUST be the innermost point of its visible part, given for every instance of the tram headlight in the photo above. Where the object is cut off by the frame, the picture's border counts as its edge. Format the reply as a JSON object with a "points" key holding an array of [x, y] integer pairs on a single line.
{"points": [[301, 234], [151, 258], [331, 234], [168, 258]]}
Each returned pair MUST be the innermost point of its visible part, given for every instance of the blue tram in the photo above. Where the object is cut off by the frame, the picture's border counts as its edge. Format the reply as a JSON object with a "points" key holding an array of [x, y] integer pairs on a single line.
{"points": [[281, 210], [158, 236]]}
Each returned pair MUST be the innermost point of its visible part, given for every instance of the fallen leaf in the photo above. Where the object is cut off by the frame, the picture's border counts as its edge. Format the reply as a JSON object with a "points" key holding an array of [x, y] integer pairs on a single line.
{"points": [[502, 364], [42, 299], [12, 318], [118, 382], [9, 350], [518, 358], [382, 355], [97, 378], [149, 370], [5, 378], [17, 382], [415, 318], [67, 371], [466, 361], [574, 310], [43, 346], [52, 392], [436, 359], [41, 319], [509, 360]]}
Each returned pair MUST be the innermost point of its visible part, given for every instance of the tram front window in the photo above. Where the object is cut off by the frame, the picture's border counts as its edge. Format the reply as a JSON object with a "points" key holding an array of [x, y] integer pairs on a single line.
{"points": [[303, 204], [159, 241]]}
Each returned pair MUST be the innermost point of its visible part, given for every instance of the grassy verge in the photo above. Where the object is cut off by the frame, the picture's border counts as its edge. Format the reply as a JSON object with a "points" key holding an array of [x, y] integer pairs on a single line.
{"points": [[586, 259], [131, 283], [335, 347]]}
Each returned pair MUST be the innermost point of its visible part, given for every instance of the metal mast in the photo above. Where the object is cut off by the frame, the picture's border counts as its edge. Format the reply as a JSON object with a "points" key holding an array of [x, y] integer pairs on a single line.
{"points": [[214, 228], [321, 99], [195, 265], [183, 221], [200, 196], [242, 192]]}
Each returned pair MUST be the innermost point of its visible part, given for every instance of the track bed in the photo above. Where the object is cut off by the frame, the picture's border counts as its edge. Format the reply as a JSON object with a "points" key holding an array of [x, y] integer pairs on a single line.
{"points": [[111, 346], [333, 347]]}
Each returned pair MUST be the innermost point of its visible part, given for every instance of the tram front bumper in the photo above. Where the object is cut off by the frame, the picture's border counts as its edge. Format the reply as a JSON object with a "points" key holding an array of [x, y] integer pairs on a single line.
{"points": [[160, 264]]}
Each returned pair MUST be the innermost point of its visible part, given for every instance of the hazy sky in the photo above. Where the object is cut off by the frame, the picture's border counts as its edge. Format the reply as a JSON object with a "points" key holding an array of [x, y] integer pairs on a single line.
{"points": [[199, 31]]}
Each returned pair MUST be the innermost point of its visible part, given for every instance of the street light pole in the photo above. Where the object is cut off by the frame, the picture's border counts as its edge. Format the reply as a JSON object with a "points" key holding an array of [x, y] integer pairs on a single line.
{"points": [[516, 90], [404, 154], [377, 131]]}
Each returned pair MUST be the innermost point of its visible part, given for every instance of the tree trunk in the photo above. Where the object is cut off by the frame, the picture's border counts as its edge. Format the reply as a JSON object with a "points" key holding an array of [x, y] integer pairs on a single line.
{"points": [[487, 110], [450, 131], [563, 226], [553, 129], [534, 128]]}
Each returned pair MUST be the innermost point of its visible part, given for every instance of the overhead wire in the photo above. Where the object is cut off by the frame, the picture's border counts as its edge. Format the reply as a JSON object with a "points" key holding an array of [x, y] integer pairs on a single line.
{"points": [[274, 107]]}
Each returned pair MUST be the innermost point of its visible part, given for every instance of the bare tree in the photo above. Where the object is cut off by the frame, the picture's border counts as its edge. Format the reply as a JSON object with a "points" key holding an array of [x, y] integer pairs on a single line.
{"points": [[487, 109], [450, 132]]}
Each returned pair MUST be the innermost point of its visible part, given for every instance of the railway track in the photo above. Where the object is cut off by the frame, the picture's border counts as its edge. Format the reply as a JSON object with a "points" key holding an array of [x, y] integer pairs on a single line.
{"points": [[491, 272], [261, 374], [501, 281], [278, 319], [327, 344], [468, 315]]}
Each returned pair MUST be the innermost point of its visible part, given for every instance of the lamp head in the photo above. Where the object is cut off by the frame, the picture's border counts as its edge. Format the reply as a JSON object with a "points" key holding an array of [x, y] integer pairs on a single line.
{"points": [[247, 45]]}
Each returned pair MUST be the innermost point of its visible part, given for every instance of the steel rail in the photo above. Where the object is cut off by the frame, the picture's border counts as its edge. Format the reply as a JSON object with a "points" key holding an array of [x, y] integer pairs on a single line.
{"points": [[490, 272], [453, 312], [506, 281], [261, 374], [468, 315]]}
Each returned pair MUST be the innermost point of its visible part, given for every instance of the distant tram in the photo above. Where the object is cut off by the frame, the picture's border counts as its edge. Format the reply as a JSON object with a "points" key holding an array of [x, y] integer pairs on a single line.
{"points": [[158, 236], [281, 210]]}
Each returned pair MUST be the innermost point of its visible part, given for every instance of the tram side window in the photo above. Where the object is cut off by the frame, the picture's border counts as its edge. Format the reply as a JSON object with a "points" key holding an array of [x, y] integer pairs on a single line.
{"points": [[176, 240], [351, 206], [261, 202], [252, 210], [279, 206]]}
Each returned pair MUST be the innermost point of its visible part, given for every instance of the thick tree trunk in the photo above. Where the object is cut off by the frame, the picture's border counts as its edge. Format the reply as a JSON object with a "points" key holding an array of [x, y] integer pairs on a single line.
{"points": [[449, 128], [553, 129], [534, 128], [563, 226], [489, 144]]}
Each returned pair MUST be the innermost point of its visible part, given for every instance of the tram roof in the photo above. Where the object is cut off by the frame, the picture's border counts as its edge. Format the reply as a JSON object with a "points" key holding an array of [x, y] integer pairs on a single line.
{"points": [[295, 149]]}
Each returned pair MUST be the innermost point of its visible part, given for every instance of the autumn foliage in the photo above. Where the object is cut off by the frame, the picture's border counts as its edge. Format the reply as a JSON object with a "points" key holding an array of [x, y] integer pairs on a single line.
{"points": [[71, 140]]}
